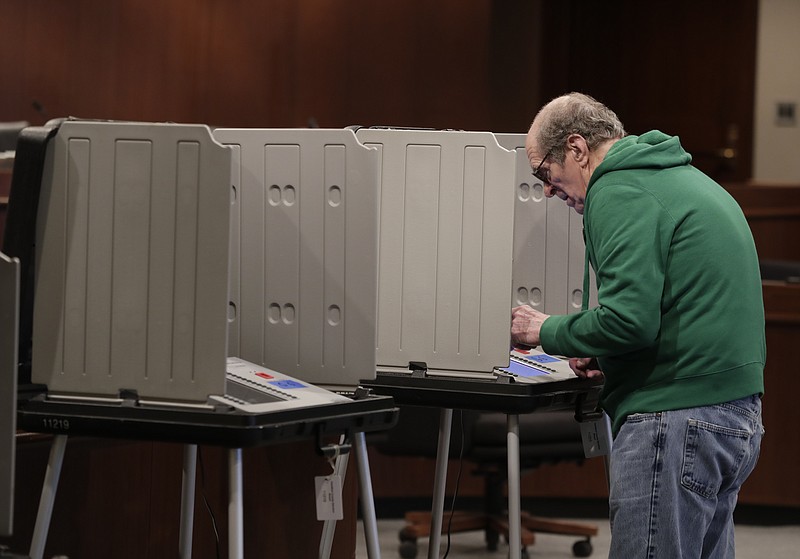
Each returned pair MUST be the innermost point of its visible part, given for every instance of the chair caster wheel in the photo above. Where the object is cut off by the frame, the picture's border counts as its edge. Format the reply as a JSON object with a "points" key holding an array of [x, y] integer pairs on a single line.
{"points": [[582, 548], [408, 549], [523, 554], [404, 537]]}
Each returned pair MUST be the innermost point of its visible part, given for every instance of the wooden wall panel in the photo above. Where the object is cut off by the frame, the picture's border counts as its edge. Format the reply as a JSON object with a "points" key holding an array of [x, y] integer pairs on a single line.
{"points": [[773, 212], [276, 63], [408, 476], [121, 499], [672, 65], [774, 482]]}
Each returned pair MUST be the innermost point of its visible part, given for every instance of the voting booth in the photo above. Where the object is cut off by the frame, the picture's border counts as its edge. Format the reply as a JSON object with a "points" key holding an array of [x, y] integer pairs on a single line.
{"points": [[414, 245], [124, 231], [548, 252], [130, 271], [210, 287], [445, 249], [303, 267], [465, 234]]}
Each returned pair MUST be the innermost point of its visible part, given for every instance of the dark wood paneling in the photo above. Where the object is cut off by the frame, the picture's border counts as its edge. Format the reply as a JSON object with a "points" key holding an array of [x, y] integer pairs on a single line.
{"points": [[121, 499], [775, 481], [773, 212], [481, 65], [673, 65], [241, 63], [407, 476]]}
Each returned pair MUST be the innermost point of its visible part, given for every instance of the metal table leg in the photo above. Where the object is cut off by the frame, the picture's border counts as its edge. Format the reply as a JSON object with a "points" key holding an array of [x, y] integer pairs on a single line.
{"points": [[48, 497], [366, 497], [514, 508], [187, 501], [235, 506], [440, 480]]}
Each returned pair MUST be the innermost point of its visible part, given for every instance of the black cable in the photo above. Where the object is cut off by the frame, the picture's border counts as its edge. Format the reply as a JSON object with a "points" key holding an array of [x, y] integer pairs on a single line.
{"points": [[458, 481], [205, 500]]}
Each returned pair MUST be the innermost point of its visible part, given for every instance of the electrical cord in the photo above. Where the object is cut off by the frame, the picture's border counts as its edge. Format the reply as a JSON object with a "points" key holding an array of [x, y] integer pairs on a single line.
{"points": [[458, 481], [205, 500]]}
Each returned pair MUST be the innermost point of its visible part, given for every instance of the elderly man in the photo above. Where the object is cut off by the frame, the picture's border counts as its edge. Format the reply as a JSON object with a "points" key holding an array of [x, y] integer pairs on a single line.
{"points": [[678, 333]]}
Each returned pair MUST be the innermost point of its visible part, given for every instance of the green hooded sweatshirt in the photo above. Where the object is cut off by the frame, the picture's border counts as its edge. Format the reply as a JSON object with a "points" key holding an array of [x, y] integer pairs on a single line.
{"points": [[680, 321]]}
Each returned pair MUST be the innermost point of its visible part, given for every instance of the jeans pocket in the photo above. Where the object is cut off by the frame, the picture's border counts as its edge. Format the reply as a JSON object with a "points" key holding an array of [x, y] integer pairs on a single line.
{"points": [[642, 417], [713, 456]]}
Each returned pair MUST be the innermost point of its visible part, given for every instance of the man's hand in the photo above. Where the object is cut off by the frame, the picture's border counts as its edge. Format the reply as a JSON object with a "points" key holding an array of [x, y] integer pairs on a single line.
{"points": [[585, 367], [525, 326]]}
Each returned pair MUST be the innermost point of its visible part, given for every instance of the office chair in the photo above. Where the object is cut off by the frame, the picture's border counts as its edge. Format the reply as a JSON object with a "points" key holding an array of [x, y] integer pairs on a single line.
{"points": [[545, 437]]}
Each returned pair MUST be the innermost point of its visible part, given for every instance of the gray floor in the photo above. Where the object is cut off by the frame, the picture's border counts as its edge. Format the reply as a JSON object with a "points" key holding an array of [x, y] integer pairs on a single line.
{"points": [[752, 542]]}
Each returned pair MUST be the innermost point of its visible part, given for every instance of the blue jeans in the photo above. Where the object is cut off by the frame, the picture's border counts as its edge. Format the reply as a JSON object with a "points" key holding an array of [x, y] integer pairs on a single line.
{"points": [[675, 477]]}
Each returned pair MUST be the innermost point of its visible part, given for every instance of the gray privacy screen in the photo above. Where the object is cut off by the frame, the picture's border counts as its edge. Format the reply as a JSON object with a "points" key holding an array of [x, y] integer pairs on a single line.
{"points": [[132, 253], [304, 249], [446, 226]]}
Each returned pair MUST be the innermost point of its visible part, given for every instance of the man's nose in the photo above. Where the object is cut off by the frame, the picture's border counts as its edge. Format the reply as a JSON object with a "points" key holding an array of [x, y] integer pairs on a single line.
{"points": [[549, 191]]}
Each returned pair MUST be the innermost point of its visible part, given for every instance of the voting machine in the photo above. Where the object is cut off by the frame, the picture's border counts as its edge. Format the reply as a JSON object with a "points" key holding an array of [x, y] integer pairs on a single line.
{"points": [[123, 231], [303, 266], [130, 305], [465, 234]]}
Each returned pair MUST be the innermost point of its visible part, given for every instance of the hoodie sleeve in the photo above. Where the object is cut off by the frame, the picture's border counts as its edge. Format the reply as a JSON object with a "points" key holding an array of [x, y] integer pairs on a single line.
{"points": [[628, 233]]}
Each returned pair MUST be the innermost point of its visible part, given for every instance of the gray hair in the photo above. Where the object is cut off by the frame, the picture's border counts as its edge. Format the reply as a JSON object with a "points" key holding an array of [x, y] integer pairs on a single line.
{"points": [[575, 113]]}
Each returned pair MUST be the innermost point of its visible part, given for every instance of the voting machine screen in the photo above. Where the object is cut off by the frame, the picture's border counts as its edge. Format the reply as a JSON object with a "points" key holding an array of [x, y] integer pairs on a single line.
{"points": [[131, 306]]}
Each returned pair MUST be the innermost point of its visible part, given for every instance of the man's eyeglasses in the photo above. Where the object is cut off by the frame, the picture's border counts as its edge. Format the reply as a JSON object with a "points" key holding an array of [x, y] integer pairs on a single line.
{"points": [[543, 174]]}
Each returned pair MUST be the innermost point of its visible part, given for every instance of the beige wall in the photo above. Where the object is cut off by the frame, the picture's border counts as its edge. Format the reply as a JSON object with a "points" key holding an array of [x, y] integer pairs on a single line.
{"points": [[776, 149]]}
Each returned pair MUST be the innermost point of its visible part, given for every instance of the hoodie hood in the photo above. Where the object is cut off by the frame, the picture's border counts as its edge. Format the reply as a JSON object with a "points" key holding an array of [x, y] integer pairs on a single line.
{"points": [[652, 150]]}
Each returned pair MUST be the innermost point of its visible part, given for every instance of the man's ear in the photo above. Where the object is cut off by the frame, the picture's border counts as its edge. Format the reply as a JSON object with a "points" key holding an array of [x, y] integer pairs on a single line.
{"points": [[577, 148]]}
